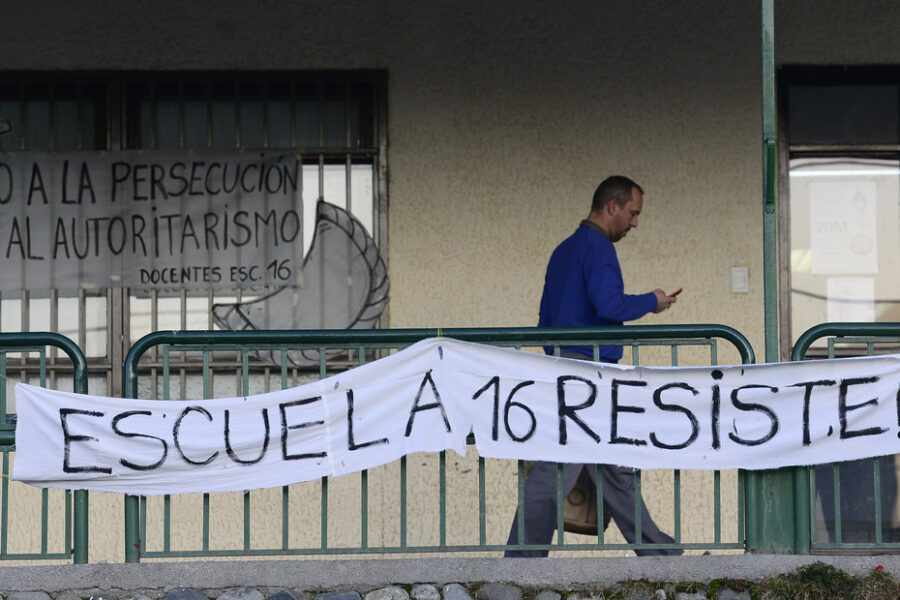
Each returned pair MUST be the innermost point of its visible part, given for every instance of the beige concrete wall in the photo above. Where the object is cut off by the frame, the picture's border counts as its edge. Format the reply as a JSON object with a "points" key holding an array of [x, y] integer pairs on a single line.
{"points": [[503, 117]]}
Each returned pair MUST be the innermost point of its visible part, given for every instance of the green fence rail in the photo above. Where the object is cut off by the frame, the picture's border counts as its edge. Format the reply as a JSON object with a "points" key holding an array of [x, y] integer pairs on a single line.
{"points": [[26, 357], [177, 364], [857, 498]]}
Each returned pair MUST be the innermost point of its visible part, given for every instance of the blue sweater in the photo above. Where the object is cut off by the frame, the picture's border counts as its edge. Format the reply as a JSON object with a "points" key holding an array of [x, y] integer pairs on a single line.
{"points": [[584, 288]]}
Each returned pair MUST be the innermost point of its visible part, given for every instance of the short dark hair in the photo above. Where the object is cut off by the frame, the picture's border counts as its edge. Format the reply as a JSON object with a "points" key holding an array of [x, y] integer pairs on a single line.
{"points": [[618, 188]]}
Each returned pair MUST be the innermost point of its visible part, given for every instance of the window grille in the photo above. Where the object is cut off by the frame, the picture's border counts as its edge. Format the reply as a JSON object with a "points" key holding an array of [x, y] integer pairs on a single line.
{"points": [[335, 122]]}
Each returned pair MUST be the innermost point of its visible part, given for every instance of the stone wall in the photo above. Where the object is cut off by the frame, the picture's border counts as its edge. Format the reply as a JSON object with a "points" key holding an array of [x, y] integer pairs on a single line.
{"points": [[656, 578]]}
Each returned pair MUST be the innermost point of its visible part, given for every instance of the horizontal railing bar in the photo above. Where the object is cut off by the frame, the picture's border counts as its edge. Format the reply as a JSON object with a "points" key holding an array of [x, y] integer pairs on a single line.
{"points": [[36, 556], [838, 329], [498, 336], [359, 343], [425, 549]]}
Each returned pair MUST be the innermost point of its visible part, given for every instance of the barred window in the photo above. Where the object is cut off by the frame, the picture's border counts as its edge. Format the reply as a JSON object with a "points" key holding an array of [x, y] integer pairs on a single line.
{"points": [[333, 123]]}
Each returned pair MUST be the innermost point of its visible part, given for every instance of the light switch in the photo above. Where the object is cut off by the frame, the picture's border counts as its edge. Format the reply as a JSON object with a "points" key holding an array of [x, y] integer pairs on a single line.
{"points": [[740, 280]]}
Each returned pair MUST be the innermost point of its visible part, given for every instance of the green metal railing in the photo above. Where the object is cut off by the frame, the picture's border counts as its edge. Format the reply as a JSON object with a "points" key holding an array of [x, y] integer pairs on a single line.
{"points": [[876, 475], [37, 372], [194, 360]]}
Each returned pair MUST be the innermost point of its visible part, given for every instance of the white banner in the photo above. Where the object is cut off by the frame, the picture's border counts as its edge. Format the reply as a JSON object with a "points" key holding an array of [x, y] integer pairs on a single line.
{"points": [[148, 219], [429, 396]]}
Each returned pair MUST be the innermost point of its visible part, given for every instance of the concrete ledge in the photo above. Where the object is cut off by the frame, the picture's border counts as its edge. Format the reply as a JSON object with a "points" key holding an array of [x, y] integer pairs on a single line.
{"points": [[362, 575]]}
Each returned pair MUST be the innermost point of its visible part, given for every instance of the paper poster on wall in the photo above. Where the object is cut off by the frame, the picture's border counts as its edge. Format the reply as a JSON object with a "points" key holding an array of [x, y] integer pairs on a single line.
{"points": [[843, 227], [851, 299], [150, 219]]}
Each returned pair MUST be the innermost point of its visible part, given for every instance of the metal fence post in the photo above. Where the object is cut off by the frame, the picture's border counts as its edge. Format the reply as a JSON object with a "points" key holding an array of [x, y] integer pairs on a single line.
{"points": [[774, 526], [131, 505], [80, 537]]}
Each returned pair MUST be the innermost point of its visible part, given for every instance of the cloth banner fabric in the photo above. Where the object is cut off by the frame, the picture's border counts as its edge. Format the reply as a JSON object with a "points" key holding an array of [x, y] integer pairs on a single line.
{"points": [[428, 397], [151, 219]]}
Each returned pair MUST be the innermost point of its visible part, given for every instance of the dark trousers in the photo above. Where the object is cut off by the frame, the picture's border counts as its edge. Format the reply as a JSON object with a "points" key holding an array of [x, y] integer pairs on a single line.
{"points": [[618, 500]]}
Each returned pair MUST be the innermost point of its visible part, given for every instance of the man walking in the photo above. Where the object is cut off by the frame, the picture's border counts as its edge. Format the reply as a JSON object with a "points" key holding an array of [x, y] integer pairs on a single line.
{"points": [[583, 287]]}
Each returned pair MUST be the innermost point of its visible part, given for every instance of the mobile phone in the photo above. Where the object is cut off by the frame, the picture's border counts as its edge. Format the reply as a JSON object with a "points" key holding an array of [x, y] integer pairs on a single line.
{"points": [[675, 293]]}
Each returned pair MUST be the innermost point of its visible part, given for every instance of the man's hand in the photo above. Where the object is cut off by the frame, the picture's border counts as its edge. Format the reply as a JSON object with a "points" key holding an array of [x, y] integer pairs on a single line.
{"points": [[663, 301]]}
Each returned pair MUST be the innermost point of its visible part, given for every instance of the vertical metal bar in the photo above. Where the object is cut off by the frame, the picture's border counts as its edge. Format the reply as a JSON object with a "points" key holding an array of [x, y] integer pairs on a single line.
{"points": [[638, 513], [23, 129], [181, 119], [167, 523], [364, 481], [237, 114], [44, 518], [54, 326], [67, 501], [348, 185], [153, 123], [482, 504], [143, 522], [3, 407], [247, 520], [742, 508], [207, 391], [167, 516], [836, 487], [4, 506], [520, 492], [876, 481], [560, 505], [601, 517], [265, 103], [321, 115], [442, 494], [803, 514], [166, 373], [285, 517], [324, 513], [813, 523], [79, 125], [80, 523], [116, 141], [322, 374], [403, 495], [245, 390], [781, 532], [676, 503], [51, 120], [133, 535], [770, 233], [717, 507], [182, 372], [381, 184], [245, 372], [293, 115], [364, 507], [42, 361], [207, 375], [348, 143]]}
